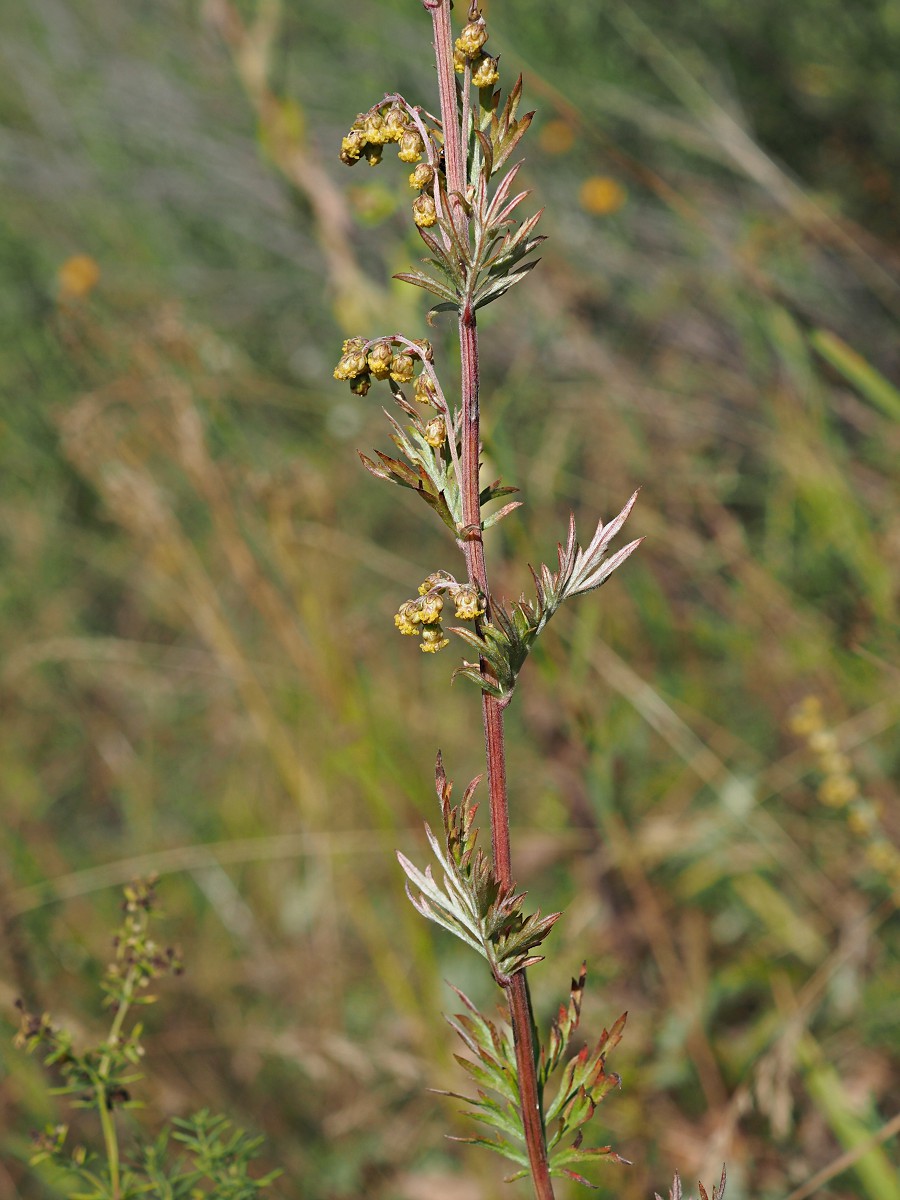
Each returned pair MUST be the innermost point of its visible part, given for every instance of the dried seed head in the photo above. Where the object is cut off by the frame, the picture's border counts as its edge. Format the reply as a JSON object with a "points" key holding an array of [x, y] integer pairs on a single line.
{"points": [[472, 38], [411, 146], [422, 177], [402, 368], [433, 639], [380, 358], [469, 604], [424, 210], [436, 432], [485, 71]]}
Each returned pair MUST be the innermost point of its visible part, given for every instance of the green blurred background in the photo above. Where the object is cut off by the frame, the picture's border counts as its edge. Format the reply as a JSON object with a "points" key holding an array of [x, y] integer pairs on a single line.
{"points": [[199, 668]]}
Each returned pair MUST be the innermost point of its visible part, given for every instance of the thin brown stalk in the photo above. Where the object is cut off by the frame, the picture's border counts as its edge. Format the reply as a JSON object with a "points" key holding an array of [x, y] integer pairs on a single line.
{"points": [[473, 548]]}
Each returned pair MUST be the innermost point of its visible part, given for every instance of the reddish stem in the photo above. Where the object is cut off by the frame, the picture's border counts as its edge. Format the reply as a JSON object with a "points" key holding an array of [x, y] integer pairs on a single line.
{"points": [[473, 548]]}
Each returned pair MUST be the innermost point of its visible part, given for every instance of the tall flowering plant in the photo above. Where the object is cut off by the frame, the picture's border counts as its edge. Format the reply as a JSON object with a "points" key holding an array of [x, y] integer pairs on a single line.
{"points": [[531, 1094]]}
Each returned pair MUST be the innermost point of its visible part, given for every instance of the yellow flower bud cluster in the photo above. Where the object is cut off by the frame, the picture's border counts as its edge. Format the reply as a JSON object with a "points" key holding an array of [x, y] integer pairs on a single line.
{"points": [[468, 51], [360, 361], [424, 208], [421, 616], [839, 789], [371, 132]]}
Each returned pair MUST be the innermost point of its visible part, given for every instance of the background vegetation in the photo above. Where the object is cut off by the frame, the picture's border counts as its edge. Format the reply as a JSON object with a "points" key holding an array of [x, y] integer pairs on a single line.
{"points": [[199, 668]]}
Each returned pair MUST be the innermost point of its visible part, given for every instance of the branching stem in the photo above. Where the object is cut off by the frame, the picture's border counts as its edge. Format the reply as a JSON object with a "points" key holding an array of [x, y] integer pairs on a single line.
{"points": [[473, 548]]}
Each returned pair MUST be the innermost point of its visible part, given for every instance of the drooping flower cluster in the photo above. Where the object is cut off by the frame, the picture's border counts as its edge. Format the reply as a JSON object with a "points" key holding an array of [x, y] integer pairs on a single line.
{"points": [[468, 51], [391, 122], [371, 132], [383, 358], [840, 789], [421, 616]]}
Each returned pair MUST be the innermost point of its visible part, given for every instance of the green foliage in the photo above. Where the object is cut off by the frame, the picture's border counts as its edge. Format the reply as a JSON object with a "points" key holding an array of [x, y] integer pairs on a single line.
{"points": [[211, 1157], [582, 1086], [504, 642], [154, 708], [473, 904]]}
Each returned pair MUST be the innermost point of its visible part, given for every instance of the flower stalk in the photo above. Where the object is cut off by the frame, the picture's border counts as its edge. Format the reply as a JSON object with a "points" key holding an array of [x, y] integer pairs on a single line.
{"points": [[521, 1017], [479, 248]]}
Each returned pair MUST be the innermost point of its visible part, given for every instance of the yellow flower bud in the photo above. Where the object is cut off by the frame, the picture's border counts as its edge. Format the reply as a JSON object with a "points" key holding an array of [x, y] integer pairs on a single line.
{"points": [[437, 579], [424, 210], [422, 177], [485, 71], [375, 129], [430, 608], [402, 368], [837, 790], [353, 145], [807, 716], [405, 618], [380, 357], [834, 763], [863, 818], [351, 364], [395, 122], [601, 195], [436, 432], [469, 605], [882, 856], [823, 741], [433, 640], [472, 38], [459, 61], [78, 276], [411, 146], [424, 389]]}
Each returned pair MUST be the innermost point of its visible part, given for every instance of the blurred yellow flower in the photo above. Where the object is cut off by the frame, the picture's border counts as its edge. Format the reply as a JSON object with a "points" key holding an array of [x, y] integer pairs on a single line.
{"points": [[77, 277], [556, 137], [601, 195]]}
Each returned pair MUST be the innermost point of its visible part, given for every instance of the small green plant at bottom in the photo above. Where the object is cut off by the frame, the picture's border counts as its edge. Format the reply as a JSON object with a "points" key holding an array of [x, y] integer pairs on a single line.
{"points": [[195, 1156]]}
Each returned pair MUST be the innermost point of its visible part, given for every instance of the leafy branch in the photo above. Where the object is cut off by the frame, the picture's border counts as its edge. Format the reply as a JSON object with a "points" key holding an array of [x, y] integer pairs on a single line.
{"points": [[472, 904], [216, 1155], [584, 1083], [504, 642]]}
